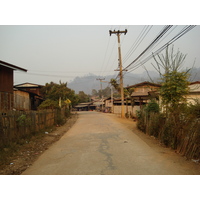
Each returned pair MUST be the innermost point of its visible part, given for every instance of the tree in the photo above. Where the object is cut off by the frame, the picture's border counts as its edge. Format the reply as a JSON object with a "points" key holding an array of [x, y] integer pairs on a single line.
{"points": [[174, 88], [55, 92], [49, 104], [83, 98], [175, 83], [94, 92], [106, 92], [114, 83]]}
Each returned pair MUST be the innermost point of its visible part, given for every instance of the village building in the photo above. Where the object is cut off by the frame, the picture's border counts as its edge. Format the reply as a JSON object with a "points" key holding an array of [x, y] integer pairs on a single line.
{"points": [[194, 92], [108, 103], [27, 96], [141, 93], [30, 87], [89, 106], [6, 85]]}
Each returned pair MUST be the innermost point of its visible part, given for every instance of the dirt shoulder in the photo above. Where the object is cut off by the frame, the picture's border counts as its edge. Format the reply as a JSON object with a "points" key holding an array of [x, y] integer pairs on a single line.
{"points": [[26, 153], [160, 148]]}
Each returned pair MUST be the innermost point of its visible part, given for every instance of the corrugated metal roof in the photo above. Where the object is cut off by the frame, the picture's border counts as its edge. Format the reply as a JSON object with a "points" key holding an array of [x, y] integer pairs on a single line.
{"points": [[28, 85]]}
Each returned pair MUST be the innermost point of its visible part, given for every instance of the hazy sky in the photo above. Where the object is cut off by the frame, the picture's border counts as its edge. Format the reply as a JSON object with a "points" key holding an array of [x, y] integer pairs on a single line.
{"points": [[53, 53]]}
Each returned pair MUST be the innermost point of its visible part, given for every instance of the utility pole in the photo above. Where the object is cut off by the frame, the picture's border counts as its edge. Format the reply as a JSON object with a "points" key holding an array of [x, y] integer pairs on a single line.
{"points": [[120, 68], [100, 79]]}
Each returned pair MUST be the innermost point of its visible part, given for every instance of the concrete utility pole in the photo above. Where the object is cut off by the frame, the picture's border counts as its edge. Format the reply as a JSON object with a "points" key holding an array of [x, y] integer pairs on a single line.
{"points": [[100, 79], [120, 68]]}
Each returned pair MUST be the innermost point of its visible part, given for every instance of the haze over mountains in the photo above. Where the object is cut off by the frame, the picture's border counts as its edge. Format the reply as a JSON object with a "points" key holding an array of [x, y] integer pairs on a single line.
{"points": [[88, 82]]}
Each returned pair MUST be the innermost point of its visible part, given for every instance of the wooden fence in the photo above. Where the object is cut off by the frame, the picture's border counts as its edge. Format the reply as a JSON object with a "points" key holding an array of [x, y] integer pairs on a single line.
{"points": [[18, 124], [184, 136]]}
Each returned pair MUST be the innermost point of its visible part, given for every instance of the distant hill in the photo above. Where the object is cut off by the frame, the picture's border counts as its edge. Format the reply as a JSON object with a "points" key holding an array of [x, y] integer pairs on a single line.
{"points": [[88, 82]]}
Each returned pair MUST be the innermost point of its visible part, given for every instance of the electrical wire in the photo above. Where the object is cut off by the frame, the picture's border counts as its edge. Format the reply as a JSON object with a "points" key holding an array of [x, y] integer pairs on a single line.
{"points": [[105, 54], [51, 75], [166, 28], [180, 34], [137, 42]]}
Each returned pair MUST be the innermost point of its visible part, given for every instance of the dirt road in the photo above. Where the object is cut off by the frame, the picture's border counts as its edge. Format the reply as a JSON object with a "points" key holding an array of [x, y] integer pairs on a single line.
{"points": [[103, 144]]}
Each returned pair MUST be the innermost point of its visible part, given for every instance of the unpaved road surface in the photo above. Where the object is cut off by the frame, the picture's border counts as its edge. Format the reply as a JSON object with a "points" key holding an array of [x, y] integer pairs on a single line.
{"points": [[102, 144]]}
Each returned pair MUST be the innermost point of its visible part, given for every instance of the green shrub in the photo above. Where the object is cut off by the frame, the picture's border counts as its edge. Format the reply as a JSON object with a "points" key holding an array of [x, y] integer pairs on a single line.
{"points": [[48, 104], [194, 109], [152, 106], [141, 120], [67, 113]]}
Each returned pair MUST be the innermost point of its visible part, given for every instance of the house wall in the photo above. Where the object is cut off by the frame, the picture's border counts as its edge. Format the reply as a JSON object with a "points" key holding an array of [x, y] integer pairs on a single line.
{"points": [[129, 109], [108, 103], [6, 79], [6, 101], [21, 100], [193, 97], [6, 88], [145, 88], [194, 94]]}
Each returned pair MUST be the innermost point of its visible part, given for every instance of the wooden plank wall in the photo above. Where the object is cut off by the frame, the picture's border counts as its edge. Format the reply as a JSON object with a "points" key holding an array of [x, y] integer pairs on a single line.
{"points": [[6, 101]]}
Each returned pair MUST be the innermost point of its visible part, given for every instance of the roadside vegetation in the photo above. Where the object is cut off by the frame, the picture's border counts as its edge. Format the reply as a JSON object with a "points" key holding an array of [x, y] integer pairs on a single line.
{"points": [[172, 120], [18, 127]]}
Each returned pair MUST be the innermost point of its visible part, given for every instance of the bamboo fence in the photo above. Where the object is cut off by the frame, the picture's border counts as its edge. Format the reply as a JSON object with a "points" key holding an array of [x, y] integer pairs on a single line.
{"points": [[184, 136]]}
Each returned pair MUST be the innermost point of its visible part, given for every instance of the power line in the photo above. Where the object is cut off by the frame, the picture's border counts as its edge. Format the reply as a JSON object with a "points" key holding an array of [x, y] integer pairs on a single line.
{"points": [[76, 72], [140, 63], [164, 37], [137, 42], [51, 75], [110, 55], [105, 54], [180, 34], [166, 28]]}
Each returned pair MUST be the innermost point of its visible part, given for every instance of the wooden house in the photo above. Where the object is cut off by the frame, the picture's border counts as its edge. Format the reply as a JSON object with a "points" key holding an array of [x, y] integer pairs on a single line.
{"points": [[6, 85], [29, 95], [30, 87], [141, 93], [21, 100]]}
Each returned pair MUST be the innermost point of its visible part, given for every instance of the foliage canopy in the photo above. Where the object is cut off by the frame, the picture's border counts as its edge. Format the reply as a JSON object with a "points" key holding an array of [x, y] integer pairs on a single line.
{"points": [[175, 83], [54, 92]]}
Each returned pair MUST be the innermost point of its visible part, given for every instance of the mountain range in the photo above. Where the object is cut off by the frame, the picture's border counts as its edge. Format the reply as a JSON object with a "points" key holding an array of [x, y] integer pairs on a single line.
{"points": [[89, 82]]}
